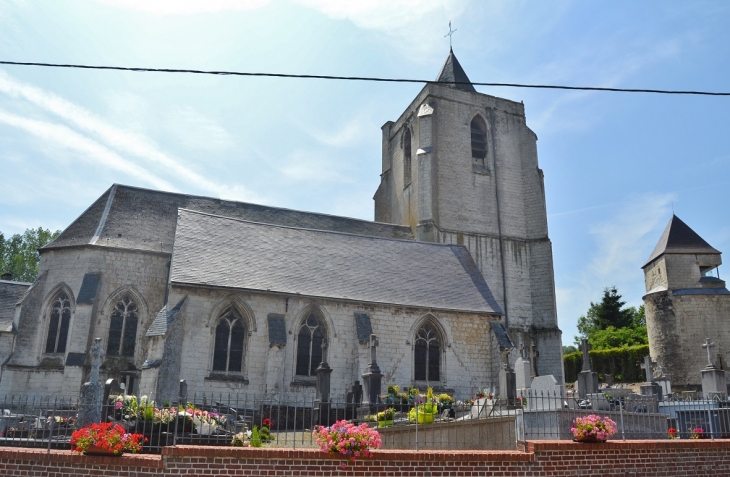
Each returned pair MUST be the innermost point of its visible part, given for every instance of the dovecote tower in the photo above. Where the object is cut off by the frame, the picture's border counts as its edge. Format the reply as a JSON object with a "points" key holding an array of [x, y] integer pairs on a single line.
{"points": [[461, 167], [686, 301]]}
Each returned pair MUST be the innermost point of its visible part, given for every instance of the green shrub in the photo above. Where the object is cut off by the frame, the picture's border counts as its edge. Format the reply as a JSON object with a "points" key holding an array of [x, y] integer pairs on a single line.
{"points": [[622, 363]]}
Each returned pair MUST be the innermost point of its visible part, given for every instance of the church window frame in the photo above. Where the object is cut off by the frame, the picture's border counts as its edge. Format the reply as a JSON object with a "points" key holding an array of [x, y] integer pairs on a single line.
{"points": [[479, 141], [59, 314], [230, 341], [428, 352], [311, 333], [123, 327], [407, 157]]}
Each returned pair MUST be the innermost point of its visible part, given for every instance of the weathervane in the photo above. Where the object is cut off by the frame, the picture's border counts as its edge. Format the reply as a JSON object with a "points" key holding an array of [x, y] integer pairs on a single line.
{"points": [[451, 32]]}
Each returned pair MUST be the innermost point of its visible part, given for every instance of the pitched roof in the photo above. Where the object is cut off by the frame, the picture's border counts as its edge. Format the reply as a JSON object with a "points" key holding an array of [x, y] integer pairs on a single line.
{"points": [[223, 252], [164, 319], [10, 295], [678, 237], [454, 75], [143, 219]]}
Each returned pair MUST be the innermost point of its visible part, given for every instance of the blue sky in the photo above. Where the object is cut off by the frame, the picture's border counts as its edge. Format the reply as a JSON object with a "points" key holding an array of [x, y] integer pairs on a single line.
{"points": [[614, 164]]}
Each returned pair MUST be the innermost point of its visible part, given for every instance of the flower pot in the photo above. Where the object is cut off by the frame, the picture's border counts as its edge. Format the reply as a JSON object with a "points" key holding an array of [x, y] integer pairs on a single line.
{"points": [[100, 451], [385, 423], [425, 418], [589, 440], [205, 428]]}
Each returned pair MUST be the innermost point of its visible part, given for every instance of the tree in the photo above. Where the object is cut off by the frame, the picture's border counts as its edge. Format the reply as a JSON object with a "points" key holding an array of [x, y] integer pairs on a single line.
{"points": [[610, 313], [617, 338], [569, 349], [19, 253]]}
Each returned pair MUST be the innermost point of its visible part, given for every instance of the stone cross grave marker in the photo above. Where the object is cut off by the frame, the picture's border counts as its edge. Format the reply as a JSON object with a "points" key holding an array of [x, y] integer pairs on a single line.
{"points": [[92, 392], [373, 351], [97, 355], [647, 366], [708, 345], [585, 346]]}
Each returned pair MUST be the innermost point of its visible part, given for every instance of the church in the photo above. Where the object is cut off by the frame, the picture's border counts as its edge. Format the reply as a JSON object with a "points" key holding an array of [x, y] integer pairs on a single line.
{"points": [[236, 297]]}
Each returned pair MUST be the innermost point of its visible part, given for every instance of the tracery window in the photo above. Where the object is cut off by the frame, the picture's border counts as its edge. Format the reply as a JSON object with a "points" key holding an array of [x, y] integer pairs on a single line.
{"points": [[406, 157], [427, 353], [60, 319], [230, 337], [478, 138], [123, 328], [309, 345]]}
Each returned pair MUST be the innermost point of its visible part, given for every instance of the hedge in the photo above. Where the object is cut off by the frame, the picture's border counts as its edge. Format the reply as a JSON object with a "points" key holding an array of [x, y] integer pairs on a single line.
{"points": [[622, 363]]}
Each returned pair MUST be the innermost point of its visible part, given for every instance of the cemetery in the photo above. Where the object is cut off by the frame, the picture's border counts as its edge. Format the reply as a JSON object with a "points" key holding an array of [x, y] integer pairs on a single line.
{"points": [[528, 423]]}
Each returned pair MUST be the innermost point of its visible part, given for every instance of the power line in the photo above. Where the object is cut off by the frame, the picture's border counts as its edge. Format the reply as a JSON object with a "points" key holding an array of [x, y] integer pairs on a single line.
{"points": [[366, 78]]}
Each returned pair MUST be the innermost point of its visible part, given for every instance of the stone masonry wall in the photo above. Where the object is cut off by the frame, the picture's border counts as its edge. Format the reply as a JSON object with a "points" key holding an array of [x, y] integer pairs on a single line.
{"points": [[466, 358], [677, 328], [462, 204], [141, 273]]}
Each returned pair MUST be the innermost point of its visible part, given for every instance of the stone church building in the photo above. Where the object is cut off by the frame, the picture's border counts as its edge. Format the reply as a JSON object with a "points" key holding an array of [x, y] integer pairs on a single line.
{"points": [[686, 302], [238, 298]]}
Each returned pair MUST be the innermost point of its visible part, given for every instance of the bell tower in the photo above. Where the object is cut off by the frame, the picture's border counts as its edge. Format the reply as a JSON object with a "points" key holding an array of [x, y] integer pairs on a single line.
{"points": [[461, 167]]}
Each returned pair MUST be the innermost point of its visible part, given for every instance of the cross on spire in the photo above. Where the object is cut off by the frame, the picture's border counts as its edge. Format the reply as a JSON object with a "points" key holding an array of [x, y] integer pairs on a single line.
{"points": [[449, 34]]}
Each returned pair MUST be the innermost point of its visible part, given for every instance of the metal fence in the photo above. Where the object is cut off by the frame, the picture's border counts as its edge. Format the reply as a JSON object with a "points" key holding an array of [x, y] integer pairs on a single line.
{"points": [[288, 421]]}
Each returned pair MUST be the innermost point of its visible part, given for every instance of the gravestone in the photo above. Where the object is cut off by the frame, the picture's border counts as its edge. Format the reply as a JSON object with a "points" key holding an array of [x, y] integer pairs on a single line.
{"points": [[545, 394], [111, 387], [507, 380], [372, 377], [92, 391], [182, 394], [650, 387], [534, 354], [322, 398], [482, 408], [587, 379], [714, 384], [663, 379], [522, 371]]}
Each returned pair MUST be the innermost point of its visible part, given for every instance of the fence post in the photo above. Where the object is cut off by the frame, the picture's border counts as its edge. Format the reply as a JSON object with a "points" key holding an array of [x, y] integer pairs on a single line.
{"points": [[621, 411]]}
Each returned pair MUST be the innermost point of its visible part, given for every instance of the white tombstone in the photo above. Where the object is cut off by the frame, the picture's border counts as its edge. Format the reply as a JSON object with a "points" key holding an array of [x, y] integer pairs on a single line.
{"points": [[481, 408], [545, 394], [522, 373]]}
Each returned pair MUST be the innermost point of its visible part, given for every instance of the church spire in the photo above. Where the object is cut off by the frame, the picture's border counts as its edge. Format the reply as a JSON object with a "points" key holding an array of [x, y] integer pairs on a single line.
{"points": [[452, 74]]}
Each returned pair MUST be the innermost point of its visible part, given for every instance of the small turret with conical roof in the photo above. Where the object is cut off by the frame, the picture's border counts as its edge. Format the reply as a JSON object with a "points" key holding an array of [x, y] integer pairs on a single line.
{"points": [[681, 259]]}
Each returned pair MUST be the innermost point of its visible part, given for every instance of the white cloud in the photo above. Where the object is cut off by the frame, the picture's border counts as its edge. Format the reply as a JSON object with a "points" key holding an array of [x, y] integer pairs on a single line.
{"points": [[349, 134], [123, 141], [185, 7], [90, 151], [196, 131], [416, 25], [312, 167], [623, 242]]}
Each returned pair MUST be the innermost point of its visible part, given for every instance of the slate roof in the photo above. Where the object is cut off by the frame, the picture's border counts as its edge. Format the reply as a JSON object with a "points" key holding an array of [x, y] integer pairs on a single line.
{"points": [[10, 294], [164, 319], [144, 219], [223, 252], [679, 238], [454, 75]]}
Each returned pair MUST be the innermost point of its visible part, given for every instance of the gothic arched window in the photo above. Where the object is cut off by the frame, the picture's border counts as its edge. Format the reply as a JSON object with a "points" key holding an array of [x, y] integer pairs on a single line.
{"points": [[406, 157], [123, 328], [58, 324], [309, 345], [478, 138], [427, 353], [230, 337]]}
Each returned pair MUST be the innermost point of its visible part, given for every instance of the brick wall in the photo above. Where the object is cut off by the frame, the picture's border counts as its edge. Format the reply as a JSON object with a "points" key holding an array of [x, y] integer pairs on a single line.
{"points": [[543, 458]]}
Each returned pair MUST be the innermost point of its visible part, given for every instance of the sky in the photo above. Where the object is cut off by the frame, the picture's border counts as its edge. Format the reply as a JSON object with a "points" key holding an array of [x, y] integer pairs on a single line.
{"points": [[616, 165]]}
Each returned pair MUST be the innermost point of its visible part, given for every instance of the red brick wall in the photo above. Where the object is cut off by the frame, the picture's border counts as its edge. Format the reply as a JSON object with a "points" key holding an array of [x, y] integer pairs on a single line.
{"points": [[543, 458]]}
